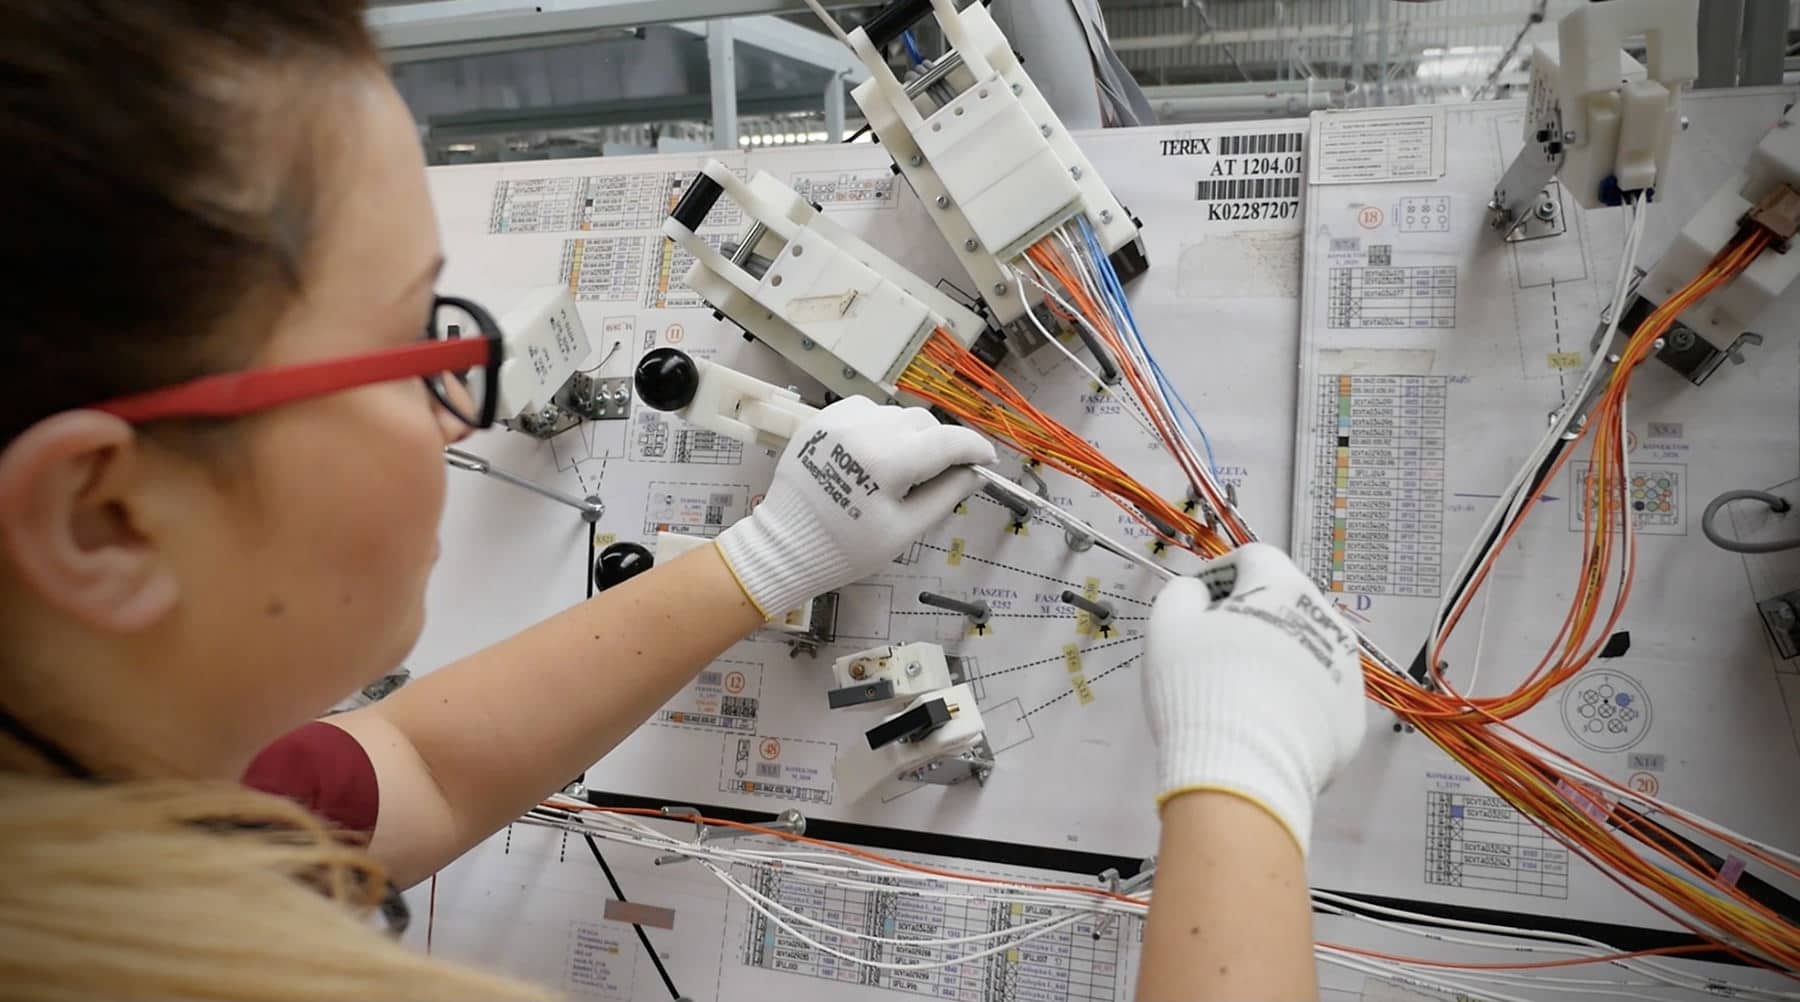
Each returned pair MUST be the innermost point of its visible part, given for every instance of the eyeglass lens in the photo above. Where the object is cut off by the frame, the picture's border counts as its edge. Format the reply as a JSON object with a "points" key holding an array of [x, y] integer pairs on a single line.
{"points": [[462, 392]]}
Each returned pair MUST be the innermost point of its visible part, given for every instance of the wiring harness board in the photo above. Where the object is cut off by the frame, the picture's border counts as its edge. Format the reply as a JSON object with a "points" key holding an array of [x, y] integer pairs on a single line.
{"points": [[1424, 332]]}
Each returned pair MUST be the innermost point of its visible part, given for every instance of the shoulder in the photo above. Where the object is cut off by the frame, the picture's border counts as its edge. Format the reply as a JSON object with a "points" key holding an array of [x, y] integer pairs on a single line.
{"points": [[325, 770]]}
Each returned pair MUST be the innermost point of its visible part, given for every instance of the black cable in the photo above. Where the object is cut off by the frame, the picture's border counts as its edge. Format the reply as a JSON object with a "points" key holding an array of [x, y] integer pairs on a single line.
{"points": [[643, 937], [1419, 669], [1777, 504]]}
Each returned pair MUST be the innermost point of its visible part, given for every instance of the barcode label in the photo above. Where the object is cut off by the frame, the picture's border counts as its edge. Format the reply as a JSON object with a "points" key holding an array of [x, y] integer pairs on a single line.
{"points": [[1218, 189], [715, 515], [768, 770], [711, 678], [1268, 142], [1381, 255]]}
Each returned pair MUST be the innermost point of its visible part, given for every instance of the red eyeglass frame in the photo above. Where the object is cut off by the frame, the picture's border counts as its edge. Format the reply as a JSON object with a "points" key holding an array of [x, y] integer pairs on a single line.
{"points": [[236, 394]]}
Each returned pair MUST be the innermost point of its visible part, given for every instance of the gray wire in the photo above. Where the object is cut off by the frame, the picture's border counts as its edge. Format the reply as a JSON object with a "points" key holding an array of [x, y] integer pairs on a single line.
{"points": [[1777, 504]]}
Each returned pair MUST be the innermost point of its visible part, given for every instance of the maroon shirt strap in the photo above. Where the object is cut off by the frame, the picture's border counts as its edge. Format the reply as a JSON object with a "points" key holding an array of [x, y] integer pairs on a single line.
{"points": [[324, 770]]}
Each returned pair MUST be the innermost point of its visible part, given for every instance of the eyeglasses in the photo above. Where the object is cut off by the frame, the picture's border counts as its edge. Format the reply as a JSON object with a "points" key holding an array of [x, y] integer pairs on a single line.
{"points": [[459, 360]]}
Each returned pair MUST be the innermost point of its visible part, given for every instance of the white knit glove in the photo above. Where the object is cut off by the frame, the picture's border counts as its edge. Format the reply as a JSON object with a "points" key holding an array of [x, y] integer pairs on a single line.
{"points": [[856, 485], [1253, 686]]}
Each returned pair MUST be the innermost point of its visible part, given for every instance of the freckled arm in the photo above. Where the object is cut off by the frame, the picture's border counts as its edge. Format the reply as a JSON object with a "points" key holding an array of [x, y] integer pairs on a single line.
{"points": [[1230, 916], [467, 748]]}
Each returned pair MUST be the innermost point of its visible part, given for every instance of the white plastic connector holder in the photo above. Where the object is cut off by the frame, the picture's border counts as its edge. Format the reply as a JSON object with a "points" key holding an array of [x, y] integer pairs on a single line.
{"points": [[827, 301], [545, 345], [1615, 127], [995, 166], [1734, 308], [862, 773], [745, 408], [914, 669]]}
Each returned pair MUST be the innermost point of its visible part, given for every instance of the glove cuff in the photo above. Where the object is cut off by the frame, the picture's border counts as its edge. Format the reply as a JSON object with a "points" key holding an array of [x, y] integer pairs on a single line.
{"points": [[781, 555], [1228, 756]]}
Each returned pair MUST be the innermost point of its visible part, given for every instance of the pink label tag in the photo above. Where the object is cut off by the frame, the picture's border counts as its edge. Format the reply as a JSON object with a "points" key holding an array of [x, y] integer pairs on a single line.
{"points": [[1730, 871], [1586, 799]]}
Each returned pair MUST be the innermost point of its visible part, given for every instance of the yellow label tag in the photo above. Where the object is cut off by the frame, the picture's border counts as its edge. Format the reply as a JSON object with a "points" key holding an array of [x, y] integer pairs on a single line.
{"points": [[1082, 692], [1019, 529], [605, 538], [1084, 623], [962, 508], [1072, 658], [956, 552], [1564, 360], [979, 629]]}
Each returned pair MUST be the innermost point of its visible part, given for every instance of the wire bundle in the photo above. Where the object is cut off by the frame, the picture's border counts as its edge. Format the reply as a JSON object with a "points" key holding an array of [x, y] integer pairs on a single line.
{"points": [[1635, 840], [747, 868]]}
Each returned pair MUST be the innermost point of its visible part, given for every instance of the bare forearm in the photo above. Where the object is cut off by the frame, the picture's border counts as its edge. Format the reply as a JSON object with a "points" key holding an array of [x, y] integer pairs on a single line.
{"points": [[1231, 917], [470, 746]]}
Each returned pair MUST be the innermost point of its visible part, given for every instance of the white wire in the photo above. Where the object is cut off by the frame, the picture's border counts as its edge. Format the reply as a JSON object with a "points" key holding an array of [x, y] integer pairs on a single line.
{"points": [[1542, 941], [883, 965], [1016, 934], [806, 865], [1435, 982], [831, 22], [1510, 504]]}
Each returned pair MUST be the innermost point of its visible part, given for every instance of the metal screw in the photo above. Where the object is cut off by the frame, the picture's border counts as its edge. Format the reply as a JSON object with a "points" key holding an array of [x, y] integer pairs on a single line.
{"points": [[1045, 129], [913, 670], [916, 159], [858, 670], [1075, 172], [1684, 340], [1569, 136], [943, 201], [999, 288], [1684, 123], [934, 766], [806, 344], [1018, 89], [970, 244], [849, 373], [1657, 345], [1546, 211], [1106, 215]]}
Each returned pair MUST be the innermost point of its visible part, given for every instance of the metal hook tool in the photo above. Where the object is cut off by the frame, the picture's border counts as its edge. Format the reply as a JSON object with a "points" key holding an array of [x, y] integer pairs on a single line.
{"points": [[590, 508]]}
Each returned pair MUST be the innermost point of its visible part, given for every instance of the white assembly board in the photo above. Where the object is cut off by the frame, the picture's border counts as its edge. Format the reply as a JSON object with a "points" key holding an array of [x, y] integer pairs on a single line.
{"points": [[1221, 307], [1432, 353]]}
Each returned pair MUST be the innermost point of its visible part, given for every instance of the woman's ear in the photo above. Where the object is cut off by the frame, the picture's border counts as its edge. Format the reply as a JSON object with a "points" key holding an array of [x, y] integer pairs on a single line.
{"points": [[72, 522]]}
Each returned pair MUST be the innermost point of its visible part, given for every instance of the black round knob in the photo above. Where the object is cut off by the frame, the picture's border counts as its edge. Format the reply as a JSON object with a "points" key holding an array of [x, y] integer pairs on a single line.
{"points": [[667, 379], [619, 563]]}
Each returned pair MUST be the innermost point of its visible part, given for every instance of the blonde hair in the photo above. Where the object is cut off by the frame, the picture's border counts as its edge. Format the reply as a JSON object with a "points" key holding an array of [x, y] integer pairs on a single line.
{"points": [[172, 889]]}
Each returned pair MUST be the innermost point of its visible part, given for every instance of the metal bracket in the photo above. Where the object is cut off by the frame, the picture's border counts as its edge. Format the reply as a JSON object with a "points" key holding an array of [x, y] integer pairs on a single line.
{"points": [[823, 631], [1516, 194], [977, 763], [598, 399], [1695, 358], [1545, 219], [788, 822], [1781, 615], [546, 423]]}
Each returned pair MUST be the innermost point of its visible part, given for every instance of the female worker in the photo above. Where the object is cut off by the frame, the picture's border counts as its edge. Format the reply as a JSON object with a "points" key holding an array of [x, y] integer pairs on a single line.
{"points": [[220, 475]]}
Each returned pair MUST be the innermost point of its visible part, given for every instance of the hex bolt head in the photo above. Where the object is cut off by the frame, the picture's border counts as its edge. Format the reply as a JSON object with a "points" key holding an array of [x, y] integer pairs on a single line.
{"points": [[943, 201]]}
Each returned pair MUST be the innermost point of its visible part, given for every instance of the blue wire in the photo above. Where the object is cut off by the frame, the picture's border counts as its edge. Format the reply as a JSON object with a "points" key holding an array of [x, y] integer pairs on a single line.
{"points": [[912, 48], [1114, 293]]}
